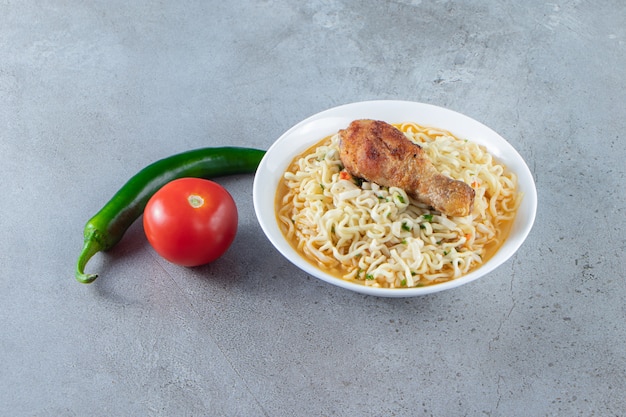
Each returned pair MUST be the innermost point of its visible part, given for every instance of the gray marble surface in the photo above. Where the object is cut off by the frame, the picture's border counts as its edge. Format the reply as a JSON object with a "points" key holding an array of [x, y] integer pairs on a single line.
{"points": [[91, 92]]}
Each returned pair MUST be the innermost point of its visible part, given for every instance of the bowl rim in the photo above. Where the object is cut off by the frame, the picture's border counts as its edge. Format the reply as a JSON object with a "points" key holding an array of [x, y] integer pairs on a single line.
{"points": [[314, 128]]}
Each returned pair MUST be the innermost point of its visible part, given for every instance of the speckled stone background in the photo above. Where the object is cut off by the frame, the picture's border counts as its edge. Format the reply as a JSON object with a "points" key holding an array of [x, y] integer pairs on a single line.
{"points": [[91, 92]]}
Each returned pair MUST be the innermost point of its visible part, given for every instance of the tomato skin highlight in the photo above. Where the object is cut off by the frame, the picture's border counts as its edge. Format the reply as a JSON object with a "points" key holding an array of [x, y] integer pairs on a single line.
{"points": [[191, 221]]}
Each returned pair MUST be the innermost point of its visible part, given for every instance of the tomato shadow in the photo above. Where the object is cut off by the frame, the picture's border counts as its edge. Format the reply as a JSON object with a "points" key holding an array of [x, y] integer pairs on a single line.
{"points": [[250, 258]]}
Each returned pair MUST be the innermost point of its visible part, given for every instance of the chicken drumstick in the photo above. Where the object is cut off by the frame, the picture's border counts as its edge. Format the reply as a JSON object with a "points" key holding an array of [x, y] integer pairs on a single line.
{"points": [[378, 152]]}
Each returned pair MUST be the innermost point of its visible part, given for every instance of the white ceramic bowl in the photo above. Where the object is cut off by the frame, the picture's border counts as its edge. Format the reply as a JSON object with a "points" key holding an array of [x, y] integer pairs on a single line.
{"points": [[315, 128]]}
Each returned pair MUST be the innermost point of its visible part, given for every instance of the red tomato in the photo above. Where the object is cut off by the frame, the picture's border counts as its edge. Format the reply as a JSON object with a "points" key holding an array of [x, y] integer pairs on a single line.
{"points": [[191, 221]]}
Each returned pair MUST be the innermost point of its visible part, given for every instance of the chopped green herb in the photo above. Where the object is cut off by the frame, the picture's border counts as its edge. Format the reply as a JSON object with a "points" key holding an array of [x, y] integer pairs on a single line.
{"points": [[403, 282], [369, 276], [422, 226], [427, 217], [400, 198], [406, 226], [321, 186]]}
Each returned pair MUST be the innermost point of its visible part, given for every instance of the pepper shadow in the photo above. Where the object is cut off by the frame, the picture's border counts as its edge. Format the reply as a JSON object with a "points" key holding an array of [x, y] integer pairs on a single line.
{"points": [[107, 264]]}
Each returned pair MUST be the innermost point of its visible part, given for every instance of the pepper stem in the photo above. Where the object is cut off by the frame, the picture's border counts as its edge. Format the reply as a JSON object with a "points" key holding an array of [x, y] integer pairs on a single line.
{"points": [[90, 248]]}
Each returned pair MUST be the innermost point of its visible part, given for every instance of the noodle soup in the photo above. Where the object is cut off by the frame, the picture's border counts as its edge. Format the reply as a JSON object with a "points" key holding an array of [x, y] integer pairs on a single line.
{"points": [[381, 236]]}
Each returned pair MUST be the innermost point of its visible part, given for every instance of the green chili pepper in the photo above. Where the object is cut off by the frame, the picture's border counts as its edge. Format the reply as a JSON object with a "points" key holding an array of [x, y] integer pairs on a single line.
{"points": [[107, 227]]}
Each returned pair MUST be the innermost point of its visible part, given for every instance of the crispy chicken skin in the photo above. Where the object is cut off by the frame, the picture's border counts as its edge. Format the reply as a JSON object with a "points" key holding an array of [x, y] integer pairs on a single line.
{"points": [[378, 152]]}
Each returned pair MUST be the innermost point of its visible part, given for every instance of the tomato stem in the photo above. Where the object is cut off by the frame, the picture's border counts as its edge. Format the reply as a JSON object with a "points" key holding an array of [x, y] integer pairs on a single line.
{"points": [[195, 201]]}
